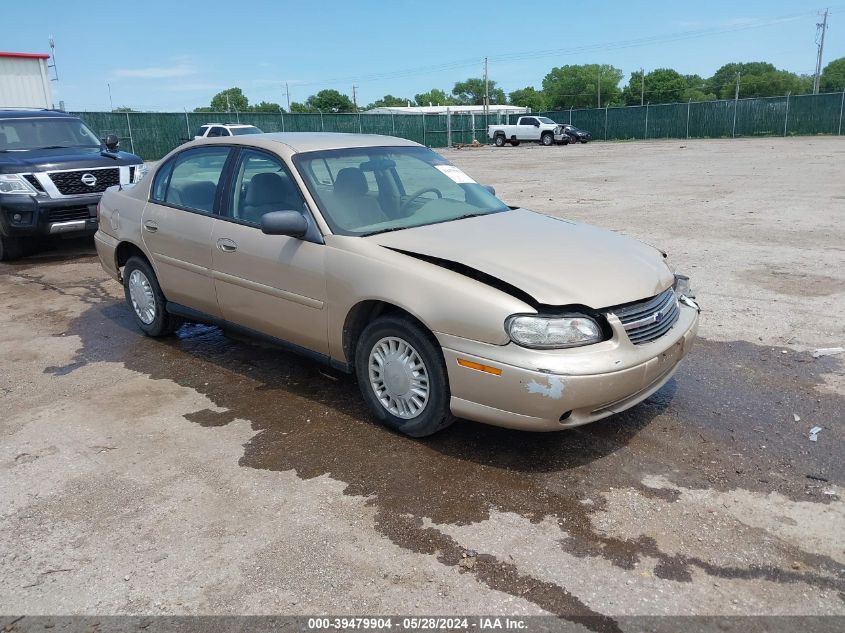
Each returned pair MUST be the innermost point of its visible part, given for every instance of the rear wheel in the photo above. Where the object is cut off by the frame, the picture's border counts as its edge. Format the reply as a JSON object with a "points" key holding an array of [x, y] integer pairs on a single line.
{"points": [[402, 376], [547, 139], [146, 300], [10, 248], [499, 141]]}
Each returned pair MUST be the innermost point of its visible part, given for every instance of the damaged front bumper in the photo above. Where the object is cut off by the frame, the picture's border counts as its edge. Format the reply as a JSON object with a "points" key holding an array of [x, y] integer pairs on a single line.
{"points": [[549, 390]]}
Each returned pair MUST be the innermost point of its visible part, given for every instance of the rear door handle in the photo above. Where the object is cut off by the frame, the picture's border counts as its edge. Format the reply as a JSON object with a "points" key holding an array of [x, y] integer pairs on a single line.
{"points": [[150, 226], [226, 245]]}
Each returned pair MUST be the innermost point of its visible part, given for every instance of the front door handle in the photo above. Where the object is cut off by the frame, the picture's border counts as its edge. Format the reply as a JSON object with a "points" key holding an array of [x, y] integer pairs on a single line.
{"points": [[226, 245], [150, 226]]}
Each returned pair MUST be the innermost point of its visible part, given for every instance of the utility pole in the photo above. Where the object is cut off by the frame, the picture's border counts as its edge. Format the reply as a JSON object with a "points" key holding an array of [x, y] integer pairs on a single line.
{"points": [[598, 87], [111, 103], [355, 97], [642, 86], [486, 93], [736, 103], [228, 105], [822, 26], [287, 94]]}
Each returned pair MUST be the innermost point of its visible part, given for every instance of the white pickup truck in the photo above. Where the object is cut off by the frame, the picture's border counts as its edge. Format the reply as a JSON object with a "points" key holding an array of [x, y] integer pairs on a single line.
{"points": [[528, 128]]}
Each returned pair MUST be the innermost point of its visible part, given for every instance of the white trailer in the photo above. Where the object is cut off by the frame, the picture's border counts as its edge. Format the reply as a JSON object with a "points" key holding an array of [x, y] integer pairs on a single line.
{"points": [[24, 82]]}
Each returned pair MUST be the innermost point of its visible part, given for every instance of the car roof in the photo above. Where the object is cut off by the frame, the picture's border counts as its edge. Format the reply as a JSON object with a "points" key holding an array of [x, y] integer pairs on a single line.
{"points": [[298, 142], [229, 124], [30, 114]]}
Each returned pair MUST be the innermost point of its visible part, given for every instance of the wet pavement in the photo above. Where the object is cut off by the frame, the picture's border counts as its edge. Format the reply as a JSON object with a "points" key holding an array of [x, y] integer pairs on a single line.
{"points": [[708, 498]]}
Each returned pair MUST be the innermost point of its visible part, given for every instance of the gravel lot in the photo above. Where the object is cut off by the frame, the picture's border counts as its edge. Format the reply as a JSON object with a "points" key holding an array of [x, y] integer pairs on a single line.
{"points": [[211, 475]]}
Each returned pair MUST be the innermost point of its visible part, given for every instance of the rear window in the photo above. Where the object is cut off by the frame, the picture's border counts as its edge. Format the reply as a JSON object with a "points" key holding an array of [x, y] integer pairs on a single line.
{"points": [[251, 129]]}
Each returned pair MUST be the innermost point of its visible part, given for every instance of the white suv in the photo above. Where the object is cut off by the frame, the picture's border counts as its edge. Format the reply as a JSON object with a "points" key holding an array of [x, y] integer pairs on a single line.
{"points": [[211, 130]]}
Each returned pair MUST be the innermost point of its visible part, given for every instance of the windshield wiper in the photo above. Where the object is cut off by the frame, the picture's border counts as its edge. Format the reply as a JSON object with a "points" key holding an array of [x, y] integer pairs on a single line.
{"points": [[390, 230]]}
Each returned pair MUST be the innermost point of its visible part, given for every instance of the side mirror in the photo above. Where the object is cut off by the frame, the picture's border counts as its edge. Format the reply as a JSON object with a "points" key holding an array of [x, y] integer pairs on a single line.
{"points": [[290, 223], [490, 188], [111, 142], [536, 124]]}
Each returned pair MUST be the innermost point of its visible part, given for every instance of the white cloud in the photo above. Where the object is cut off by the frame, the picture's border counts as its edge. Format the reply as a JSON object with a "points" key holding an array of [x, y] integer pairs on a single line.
{"points": [[180, 69]]}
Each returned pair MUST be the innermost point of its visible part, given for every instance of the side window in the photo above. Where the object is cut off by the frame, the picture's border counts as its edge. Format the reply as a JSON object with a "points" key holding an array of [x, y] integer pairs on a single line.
{"points": [[262, 184], [225, 132], [201, 130], [214, 131], [529, 121], [160, 182], [194, 178]]}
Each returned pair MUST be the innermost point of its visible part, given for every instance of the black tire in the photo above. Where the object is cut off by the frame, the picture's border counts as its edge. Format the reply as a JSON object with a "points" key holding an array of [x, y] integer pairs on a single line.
{"points": [[515, 143], [499, 141], [547, 139], [162, 323], [10, 248], [435, 414]]}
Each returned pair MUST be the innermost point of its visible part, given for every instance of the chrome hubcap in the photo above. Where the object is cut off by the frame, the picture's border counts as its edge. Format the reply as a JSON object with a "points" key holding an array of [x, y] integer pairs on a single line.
{"points": [[398, 377], [142, 297]]}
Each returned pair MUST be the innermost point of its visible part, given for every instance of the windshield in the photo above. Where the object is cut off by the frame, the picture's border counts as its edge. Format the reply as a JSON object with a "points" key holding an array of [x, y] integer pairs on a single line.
{"points": [[45, 133], [237, 131], [545, 119], [362, 191]]}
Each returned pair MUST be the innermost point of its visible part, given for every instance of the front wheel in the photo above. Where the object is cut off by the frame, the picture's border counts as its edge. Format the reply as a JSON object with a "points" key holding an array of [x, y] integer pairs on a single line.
{"points": [[10, 248], [547, 139], [499, 141], [402, 377], [146, 300]]}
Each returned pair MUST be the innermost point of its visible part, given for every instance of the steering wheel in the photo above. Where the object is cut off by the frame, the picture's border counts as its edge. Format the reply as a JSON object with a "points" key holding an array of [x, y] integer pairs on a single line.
{"points": [[417, 194]]}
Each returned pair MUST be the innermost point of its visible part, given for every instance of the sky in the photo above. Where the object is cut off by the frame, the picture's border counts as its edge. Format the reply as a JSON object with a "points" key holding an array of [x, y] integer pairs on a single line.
{"points": [[175, 55]]}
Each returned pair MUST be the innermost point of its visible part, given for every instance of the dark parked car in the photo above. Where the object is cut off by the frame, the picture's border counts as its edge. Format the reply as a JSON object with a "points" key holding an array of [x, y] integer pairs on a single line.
{"points": [[576, 135], [53, 170]]}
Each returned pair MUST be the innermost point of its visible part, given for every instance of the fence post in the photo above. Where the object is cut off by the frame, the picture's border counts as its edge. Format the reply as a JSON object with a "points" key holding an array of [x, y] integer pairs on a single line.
{"points": [[129, 125], [393, 122], [786, 115], [605, 122], [322, 129], [424, 143], [360, 127], [282, 114], [187, 124], [472, 126], [646, 121], [448, 127], [570, 115], [688, 105], [733, 130], [841, 105]]}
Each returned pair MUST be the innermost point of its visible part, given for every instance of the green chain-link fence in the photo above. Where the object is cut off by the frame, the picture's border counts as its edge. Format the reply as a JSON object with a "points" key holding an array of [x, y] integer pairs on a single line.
{"points": [[152, 134]]}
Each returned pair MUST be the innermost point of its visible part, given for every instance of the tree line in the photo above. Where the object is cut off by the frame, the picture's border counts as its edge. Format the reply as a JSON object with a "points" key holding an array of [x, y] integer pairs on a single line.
{"points": [[576, 86]]}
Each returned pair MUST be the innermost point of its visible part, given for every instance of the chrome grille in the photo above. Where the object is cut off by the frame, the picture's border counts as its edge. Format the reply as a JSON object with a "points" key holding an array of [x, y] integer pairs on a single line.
{"points": [[646, 321], [69, 183]]}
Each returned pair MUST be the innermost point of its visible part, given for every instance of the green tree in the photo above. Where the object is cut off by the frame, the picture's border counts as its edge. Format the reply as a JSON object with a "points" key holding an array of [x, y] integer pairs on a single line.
{"points": [[435, 96], [697, 89], [833, 76], [230, 100], [388, 101], [124, 109], [266, 106], [577, 86], [529, 97], [756, 79], [471, 92], [330, 101], [662, 85], [299, 108]]}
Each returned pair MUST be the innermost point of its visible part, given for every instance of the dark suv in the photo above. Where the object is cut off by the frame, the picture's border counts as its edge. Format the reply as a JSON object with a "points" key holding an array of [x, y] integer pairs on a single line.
{"points": [[53, 170]]}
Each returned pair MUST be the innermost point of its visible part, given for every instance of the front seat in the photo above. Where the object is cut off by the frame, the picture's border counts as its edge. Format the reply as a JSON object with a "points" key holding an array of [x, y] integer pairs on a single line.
{"points": [[268, 192], [354, 207]]}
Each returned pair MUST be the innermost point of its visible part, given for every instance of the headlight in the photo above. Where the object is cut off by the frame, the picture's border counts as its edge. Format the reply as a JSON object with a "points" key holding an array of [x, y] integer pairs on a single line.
{"points": [[682, 286], [548, 332], [140, 171], [13, 183]]}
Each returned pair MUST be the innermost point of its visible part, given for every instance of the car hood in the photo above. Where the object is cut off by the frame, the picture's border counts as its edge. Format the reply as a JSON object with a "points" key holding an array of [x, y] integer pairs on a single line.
{"points": [[557, 262], [63, 158]]}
